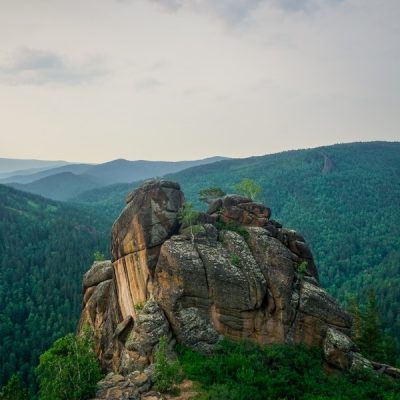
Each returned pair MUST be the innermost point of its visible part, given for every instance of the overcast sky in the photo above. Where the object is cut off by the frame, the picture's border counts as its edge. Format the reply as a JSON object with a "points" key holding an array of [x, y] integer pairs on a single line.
{"points": [[95, 80]]}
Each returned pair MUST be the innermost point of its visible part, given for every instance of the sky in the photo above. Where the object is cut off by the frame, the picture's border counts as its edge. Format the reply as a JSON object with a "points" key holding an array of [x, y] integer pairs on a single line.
{"points": [[95, 80]]}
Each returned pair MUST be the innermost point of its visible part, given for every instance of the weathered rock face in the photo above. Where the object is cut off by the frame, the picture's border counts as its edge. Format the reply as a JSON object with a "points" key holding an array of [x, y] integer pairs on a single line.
{"points": [[149, 218], [258, 282], [101, 312]]}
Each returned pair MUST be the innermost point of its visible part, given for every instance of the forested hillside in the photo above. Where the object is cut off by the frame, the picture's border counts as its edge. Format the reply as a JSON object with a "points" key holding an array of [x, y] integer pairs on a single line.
{"points": [[45, 247], [345, 200]]}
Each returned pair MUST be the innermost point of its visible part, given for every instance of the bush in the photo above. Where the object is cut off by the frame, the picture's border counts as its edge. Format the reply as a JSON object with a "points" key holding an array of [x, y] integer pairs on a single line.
{"points": [[69, 370], [166, 373], [246, 371], [234, 227], [13, 390], [235, 260]]}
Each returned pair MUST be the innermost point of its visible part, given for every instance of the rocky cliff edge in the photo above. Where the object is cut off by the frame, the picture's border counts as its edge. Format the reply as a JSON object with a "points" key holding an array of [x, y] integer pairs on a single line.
{"points": [[236, 273]]}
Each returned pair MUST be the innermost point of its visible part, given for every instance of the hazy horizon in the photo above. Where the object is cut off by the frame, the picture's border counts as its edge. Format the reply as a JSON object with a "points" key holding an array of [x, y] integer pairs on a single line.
{"points": [[177, 80], [192, 159]]}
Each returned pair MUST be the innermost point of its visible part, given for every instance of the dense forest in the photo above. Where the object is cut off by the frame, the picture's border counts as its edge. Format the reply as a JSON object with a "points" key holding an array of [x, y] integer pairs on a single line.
{"points": [[45, 247], [344, 199]]}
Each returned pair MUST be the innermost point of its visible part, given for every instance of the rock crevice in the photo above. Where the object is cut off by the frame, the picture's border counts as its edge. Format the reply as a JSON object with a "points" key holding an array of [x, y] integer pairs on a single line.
{"points": [[258, 282]]}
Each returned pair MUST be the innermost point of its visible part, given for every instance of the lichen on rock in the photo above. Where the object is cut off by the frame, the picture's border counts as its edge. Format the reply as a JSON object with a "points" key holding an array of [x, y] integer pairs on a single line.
{"points": [[258, 282]]}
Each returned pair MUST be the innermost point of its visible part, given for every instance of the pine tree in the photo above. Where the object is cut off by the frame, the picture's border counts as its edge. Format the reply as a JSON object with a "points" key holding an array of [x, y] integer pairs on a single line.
{"points": [[13, 390]]}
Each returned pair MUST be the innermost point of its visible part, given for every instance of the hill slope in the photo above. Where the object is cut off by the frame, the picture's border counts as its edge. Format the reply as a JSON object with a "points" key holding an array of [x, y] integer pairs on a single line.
{"points": [[61, 186], [345, 199], [45, 247]]}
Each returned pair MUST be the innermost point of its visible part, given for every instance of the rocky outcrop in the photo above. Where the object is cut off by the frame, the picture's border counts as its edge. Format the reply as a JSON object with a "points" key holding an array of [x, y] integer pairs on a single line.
{"points": [[236, 273], [149, 218]]}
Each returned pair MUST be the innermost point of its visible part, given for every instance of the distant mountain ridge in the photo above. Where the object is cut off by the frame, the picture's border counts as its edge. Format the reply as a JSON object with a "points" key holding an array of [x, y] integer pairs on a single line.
{"points": [[68, 181], [15, 166]]}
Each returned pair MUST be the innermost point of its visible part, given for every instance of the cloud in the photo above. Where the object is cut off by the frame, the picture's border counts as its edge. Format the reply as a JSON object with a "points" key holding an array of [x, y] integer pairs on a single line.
{"points": [[232, 11], [147, 84], [304, 5], [40, 67], [235, 11]]}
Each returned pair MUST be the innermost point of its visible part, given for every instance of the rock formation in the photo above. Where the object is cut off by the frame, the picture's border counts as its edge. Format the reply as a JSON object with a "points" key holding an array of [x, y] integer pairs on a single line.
{"points": [[236, 273]]}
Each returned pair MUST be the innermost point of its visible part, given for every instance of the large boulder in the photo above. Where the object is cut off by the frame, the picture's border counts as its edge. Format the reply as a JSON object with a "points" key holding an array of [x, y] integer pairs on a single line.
{"points": [[237, 274], [239, 209], [148, 220]]}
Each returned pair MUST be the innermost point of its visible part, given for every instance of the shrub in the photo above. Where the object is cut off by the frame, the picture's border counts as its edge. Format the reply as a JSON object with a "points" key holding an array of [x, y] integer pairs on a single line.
{"points": [[139, 306], [211, 193], [13, 390], [98, 256], [234, 227], [235, 260], [246, 371], [166, 373], [69, 370]]}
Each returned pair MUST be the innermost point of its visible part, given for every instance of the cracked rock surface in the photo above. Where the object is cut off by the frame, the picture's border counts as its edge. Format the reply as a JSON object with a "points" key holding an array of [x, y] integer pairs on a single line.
{"points": [[258, 282]]}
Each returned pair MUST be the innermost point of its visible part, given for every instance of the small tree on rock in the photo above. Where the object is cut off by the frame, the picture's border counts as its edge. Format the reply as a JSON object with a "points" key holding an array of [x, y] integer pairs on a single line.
{"points": [[188, 216], [249, 188], [208, 195]]}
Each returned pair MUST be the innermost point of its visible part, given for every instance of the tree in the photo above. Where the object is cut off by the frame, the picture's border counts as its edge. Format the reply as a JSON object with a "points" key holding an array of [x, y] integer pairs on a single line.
{"points": [[248, 187], [98, 256], [13, 390], [166, 372], [355, 312], [188, 216], [211, 193], [69, 370], [367, 331], [371, 338]]}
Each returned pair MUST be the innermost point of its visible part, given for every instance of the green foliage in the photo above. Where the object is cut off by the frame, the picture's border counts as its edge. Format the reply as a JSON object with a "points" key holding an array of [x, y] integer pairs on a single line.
{"points": [[356, 244], [69, 370], [98, 256], [188, 215], [234, 227], [139, 306], [368, 333], [166, 373], [249, 188], [14, 390], [45, 248], [302, 270], [246, 371], [235, 260], [211, 193]]}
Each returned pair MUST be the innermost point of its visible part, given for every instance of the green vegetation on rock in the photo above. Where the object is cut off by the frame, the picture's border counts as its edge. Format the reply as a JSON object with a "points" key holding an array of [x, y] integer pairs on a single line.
{"points": [[69, 370], [246, 371]]}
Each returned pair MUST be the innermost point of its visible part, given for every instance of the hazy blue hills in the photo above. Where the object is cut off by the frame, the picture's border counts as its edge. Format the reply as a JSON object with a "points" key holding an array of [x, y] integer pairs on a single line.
{"points": [[65, 182], [13, 166], [61, 186], [345, 199], [44, 173]]}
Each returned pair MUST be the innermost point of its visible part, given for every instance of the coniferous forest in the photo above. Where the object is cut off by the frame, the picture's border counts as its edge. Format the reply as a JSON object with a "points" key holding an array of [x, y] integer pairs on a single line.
{"points": [[344, 199], [45, 248]]}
